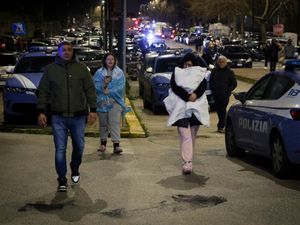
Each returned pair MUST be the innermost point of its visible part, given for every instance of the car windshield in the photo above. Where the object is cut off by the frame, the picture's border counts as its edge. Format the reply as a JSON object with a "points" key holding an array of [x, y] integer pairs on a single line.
{"points": [[33, 64], [234, 49], [167, 64], [92, 55], [7, 60]]}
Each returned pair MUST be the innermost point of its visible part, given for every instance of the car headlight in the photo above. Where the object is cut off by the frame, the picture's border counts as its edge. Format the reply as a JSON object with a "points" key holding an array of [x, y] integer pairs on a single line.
{"points": [[163, 85], [20, 90], [248, 60]]}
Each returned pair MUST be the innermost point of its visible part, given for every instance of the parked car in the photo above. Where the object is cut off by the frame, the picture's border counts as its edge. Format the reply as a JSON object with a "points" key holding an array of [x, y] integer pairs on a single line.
{"points": [[237, 56], [19, 97], [157, 80], [92, 58], [266, 121], [255, 50], [7, 62], [292, 65], [134, 57]]}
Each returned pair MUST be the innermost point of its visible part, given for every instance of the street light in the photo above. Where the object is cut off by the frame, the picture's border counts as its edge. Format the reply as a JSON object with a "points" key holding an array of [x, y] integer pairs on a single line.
{"points": [[102, 23]]}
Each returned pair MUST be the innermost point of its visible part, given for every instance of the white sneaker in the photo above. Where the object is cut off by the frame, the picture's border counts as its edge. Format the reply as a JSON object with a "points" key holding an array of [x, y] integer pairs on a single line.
{"points": [[75, 179]]}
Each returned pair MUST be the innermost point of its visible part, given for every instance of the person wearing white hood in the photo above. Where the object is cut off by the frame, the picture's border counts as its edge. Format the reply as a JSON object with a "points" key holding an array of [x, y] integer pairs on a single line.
{"points": [[187, 105]]}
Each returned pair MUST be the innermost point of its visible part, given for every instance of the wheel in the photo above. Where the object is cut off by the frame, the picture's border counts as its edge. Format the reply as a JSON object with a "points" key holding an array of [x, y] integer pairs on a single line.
{"points": [[154, 108], [146, 104], [280, 163], [9, 119], [141, 92], [231, 148]]}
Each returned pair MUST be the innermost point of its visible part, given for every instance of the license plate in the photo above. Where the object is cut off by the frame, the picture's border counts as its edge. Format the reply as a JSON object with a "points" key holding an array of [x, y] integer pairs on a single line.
{"points": [[239, 64]]}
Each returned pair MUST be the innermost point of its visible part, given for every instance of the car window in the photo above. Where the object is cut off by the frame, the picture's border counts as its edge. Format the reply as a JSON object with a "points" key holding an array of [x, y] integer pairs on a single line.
{"points": [[258, 90], [91, 55], [167, 64], [33, 64], [7, 60], [278, 86], [234, 49]]}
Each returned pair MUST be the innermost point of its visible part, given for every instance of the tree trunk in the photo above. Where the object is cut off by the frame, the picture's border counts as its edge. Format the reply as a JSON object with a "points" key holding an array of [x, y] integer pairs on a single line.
{"points": [[234, 34], [242, 26], [263, 30]]}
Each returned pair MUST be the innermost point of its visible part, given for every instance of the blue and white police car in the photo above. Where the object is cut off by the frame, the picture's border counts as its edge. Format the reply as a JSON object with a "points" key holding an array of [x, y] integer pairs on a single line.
{"points": [[266, 120], [19, 97]]}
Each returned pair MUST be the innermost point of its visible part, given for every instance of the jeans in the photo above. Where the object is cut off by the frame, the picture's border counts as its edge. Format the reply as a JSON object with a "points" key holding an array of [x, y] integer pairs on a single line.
{"points": [[60, 127]]}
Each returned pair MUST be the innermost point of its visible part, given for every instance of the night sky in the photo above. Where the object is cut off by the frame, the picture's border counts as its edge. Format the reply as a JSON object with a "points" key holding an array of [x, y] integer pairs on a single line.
{"points": [[54, 8]]}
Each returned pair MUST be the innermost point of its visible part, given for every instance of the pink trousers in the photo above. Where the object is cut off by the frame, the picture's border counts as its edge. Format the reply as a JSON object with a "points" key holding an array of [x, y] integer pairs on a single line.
{"points": [[187, 138]]}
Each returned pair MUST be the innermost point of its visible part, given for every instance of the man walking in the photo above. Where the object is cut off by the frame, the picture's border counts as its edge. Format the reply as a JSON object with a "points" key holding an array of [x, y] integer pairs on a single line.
{"points": [[222, 83], [68, 90]]}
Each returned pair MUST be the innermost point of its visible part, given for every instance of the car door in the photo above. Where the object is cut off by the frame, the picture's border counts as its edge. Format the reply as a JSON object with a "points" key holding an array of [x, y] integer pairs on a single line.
{"points": [[266, 109], [245, 122]]}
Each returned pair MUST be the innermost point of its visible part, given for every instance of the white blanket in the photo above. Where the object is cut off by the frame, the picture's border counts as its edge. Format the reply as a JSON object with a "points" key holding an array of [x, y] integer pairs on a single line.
{"points": [[189, 79]]}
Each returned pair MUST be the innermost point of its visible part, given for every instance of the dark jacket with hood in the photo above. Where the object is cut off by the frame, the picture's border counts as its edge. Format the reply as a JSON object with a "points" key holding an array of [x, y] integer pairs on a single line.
{"points": [[222, 81], [67, 88]]}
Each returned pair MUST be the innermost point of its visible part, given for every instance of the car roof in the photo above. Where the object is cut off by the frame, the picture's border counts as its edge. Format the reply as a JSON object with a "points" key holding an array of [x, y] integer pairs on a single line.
{"points": [[291, 74], [38, 54]]}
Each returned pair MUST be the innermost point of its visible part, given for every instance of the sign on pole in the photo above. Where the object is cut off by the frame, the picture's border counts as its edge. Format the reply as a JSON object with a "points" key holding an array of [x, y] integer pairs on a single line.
{"points": [[278, 29], [19, 28]]}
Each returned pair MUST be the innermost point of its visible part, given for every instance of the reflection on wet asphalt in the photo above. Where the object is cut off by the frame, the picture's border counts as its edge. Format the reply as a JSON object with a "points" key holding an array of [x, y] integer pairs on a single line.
{"points": [[67, 208]]}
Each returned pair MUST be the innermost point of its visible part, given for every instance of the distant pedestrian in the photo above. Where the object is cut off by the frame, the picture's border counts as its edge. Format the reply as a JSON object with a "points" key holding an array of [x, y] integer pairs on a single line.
{"points": [[199, 44], [267, 54], [187, 106], [273, 51], [68, 87], [222, 83], [289, 50], [110, 89]]}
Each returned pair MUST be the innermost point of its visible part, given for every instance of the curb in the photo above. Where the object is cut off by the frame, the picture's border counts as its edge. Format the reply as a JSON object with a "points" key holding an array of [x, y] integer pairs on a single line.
{"points": [[132, 129]]}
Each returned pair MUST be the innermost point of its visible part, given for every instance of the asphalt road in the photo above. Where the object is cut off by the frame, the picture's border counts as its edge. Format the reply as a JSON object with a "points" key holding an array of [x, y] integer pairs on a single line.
{"points": [[144, 186]]}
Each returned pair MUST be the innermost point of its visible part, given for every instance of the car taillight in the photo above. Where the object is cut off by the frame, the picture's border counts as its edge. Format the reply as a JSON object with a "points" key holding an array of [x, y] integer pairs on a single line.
{"points": [[295, 113]]}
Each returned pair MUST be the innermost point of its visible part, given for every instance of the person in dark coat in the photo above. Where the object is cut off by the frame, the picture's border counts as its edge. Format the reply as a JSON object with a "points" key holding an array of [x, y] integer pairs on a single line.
{"points": [[267, 54], [222, 83], [274, 49]]}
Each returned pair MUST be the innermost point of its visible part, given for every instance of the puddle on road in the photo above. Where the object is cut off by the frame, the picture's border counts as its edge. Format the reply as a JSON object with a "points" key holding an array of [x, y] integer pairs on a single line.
{"points": [[199, 200], [175, 204]]}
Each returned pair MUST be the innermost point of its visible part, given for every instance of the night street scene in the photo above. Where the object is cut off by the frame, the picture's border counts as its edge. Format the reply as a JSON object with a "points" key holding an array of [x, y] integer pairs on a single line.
{"points": [[150, 112]]}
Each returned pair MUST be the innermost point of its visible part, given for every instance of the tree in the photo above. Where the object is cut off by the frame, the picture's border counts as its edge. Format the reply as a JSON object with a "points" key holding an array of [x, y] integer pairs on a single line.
{"points": [[268, 10]]}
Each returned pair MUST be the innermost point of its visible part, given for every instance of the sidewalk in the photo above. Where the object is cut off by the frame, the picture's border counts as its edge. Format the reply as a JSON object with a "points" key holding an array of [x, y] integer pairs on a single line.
{"points": [[250, 75], [130, 128]]}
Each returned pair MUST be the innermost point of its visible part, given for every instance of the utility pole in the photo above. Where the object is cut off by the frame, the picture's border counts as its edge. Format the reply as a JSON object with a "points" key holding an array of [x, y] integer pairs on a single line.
{"points": [[104, 32], [122, 37]]}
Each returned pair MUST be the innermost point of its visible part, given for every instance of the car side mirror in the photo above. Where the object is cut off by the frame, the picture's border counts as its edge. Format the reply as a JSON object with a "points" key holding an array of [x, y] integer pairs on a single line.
{"points": [[149, 70], [240, 96], [10, 69], [211, 66]]}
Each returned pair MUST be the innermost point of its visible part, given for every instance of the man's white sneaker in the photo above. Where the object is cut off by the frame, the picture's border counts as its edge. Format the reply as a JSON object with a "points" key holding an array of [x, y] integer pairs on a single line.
{"points": [[75, 178]]}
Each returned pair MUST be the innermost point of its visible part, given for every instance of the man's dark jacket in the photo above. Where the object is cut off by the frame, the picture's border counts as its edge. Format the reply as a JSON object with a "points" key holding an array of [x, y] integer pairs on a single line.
{"points": [[222, 81], [68, 88]]}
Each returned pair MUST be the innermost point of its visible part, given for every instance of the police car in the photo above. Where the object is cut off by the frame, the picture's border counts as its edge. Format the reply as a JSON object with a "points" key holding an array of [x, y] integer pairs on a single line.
{"points": [[266, 120], [19, 97]]}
